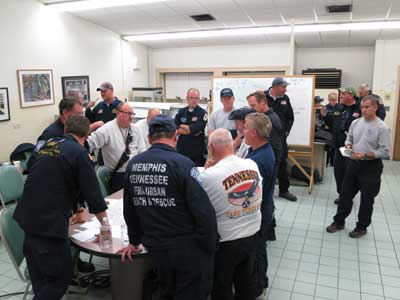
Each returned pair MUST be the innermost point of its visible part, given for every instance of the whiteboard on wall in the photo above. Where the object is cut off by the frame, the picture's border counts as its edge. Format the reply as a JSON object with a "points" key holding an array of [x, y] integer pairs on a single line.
{"points": [[300, 92]]}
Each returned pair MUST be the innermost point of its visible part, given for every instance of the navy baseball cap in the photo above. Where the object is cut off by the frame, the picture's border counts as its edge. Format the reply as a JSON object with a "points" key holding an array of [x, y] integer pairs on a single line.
{"points": [[161, 123], [227, 92], [318, 99], [280, 81], [240, 113]]}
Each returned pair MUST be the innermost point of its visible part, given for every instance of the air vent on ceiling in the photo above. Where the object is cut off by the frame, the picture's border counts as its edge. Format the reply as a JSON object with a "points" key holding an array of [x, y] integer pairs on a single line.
{"points": [[202, 18], [325, 78], [339, 9]]}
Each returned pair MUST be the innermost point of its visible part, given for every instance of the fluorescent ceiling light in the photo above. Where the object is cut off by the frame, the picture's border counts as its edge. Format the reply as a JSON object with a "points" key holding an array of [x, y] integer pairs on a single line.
{"points": [[95, 4], [264, 30]]}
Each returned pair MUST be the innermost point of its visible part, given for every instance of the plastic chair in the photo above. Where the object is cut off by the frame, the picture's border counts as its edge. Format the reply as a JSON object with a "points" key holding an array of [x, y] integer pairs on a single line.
{"points": [[103, 176], [11, 185], [12, 237]]}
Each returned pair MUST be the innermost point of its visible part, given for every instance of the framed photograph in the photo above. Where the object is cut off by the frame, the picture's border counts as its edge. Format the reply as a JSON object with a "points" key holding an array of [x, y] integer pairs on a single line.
{"points": [[73, 85], [4, 105], [35, 87]]}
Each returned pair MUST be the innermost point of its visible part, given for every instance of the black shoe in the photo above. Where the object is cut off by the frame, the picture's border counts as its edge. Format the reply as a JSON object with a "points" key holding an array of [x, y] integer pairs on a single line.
{"points": [[271, 235], [288, 196], [358, 232], [337, 200], [334, 227], [85, 267]]}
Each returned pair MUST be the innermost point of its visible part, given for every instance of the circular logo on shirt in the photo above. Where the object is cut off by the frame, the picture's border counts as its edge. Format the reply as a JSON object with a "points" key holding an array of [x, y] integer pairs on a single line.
{"points": [[244, 193]]}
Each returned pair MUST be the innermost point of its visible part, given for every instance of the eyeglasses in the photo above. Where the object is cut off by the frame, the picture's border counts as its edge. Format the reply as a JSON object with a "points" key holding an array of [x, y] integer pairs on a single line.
{"points": [[128, 113]]}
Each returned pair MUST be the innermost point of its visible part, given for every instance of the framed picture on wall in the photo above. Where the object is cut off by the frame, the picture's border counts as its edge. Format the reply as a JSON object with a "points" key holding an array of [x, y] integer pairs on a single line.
{"points": [[4, 105], [73, 85], [35, 87]]}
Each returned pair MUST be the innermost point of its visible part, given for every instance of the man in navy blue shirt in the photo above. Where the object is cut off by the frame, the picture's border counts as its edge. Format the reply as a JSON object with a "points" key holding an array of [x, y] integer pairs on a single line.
{"points": [[167, 210], [257, 130], [106, 110]]}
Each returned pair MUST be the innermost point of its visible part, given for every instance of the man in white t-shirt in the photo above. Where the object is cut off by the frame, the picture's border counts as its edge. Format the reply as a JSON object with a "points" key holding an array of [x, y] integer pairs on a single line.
{"points": [[234, 187], [143, 124], [219, 118], [119, 141]]}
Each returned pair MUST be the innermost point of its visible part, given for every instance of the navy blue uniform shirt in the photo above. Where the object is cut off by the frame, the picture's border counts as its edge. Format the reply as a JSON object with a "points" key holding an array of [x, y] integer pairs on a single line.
{"points": [[57, 175], [193, 144], [265, 159], [56, 129], [164, 204], [103, 111], [282, 107], [277, 134]]}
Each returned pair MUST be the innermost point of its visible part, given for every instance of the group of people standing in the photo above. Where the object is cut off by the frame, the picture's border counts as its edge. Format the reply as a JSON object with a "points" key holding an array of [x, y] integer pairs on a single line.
{"points": [[205, 228]]}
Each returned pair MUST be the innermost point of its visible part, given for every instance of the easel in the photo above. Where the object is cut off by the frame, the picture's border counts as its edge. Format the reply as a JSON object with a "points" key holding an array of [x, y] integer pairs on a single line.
{"points": [[295, 151]]}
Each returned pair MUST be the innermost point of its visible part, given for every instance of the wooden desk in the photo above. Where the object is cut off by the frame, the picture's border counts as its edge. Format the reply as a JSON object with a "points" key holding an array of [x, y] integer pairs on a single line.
{"points": [[126, 277]]}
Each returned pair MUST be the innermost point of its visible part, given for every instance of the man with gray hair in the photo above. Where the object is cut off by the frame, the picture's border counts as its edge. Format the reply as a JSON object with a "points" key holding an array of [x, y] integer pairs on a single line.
{"points": [[363, 91], [257, 129], [143, 124], [233, 185], [368, 142]]}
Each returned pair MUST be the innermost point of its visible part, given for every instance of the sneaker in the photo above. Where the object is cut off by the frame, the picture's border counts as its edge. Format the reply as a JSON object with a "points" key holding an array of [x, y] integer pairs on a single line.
{"points": [[334, 227], [336, 201], [85, 267], [358, 232], [288, 196]]}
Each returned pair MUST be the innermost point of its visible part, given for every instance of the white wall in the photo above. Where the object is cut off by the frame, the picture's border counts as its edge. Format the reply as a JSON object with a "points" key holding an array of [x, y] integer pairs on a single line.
{"points": [[356, 62], [387, 62], [34, 37], [258, 55]]}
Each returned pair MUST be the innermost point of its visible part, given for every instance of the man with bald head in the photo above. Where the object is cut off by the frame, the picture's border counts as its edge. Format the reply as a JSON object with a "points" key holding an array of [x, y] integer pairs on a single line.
{"points": [[233, 185], [119, 141], [143, 124]]}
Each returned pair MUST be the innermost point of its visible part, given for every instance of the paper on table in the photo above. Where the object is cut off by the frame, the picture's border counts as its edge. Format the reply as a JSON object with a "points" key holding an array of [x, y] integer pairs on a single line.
{"points": [[346, 152], [90, 225], [85, 235]]}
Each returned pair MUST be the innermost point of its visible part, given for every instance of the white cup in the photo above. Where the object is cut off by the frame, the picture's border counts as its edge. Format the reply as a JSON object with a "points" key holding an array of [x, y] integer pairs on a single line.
{"points": [[17, 164]]}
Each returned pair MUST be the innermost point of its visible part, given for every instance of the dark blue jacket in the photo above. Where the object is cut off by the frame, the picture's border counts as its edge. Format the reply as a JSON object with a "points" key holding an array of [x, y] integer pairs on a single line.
{"points": [[56, 129], [193, 144], [265, 159], [164, 204], [58, 174], [277, 134], [103, 111]]}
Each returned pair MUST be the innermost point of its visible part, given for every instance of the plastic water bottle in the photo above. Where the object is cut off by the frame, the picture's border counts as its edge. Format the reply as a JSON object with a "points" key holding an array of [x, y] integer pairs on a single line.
{"points": [[105, 234], [124, 235]]}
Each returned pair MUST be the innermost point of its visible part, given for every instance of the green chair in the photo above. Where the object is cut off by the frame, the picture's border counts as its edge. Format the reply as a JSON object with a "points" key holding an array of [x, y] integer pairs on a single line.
{"points": [[103, 176], [12, 237], [11, 185]]}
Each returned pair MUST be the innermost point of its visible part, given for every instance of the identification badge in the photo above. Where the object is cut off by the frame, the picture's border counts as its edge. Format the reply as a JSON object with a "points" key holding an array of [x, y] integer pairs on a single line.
{"points": [[283, 102], [194, 119], [100, 111], [356, 115], [336, 113], [183, 119], [205, 117]]}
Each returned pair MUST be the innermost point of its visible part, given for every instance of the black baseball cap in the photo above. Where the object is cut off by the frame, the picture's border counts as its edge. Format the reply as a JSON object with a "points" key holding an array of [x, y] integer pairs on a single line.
{"points": [[240, 113], [318, 99], [280, 81], [161, 123], [227, 92]]}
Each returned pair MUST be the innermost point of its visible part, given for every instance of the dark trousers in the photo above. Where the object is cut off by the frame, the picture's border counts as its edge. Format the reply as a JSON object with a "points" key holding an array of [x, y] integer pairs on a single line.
{"points": [[363, 176], [283, 174], [235, 266], [184, 273], [117, 182], [261, 257], [339, 169], [50, 267]]}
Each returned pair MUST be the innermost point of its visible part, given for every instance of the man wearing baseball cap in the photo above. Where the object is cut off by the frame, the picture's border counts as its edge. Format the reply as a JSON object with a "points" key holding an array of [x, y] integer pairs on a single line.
{"points": [[220, 117], [340, 123], [167, 210], [239, 116], [105, 110], [280, 103]]}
